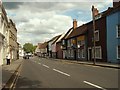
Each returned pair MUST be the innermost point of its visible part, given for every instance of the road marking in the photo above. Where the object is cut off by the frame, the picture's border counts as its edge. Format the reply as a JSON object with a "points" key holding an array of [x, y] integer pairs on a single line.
{"points": [[39, 63], [45, 66], [61, 72], [94, 85]]}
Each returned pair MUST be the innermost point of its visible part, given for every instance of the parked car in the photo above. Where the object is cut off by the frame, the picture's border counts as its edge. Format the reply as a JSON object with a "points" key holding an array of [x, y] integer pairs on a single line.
{"points": [[26, 56], [30, 54]]}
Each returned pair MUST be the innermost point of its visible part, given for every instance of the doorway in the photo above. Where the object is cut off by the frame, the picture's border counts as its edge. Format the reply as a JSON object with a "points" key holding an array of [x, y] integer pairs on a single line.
{"points": [[89, 54]]}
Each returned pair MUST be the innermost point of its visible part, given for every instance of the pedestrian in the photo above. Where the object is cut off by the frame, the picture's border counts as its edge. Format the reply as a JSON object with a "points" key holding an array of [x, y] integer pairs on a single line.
{"points": [[8, 59]]}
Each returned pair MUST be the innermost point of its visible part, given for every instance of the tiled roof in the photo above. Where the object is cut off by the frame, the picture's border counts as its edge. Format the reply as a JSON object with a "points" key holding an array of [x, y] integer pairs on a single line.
{"points": [[78, 31], [43, 45], [67, 33], [60, 37], [56, 38]]}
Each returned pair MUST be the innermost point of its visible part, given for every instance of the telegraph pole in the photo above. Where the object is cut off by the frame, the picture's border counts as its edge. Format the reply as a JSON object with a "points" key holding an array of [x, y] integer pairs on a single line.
{"points": [[93, 16]]}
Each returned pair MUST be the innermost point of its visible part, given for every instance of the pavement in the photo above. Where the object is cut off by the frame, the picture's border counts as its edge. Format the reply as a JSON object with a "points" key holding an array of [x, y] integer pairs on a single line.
{"points": [[101, 64], [9, 70]]}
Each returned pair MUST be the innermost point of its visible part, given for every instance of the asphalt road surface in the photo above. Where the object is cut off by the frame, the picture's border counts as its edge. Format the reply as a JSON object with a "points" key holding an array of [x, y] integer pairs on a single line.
{"points": [[47, 73]]}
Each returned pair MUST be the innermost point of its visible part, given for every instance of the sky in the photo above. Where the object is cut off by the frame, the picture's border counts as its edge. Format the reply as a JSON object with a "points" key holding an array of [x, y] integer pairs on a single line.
{"points": [[37, 22]]}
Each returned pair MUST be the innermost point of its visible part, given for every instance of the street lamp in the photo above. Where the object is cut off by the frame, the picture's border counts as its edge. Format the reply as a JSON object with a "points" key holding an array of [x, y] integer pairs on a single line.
{"points": [[94, 13]]}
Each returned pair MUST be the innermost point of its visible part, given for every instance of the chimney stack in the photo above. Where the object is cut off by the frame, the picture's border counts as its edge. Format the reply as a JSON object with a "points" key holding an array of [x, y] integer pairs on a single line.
{"points": [[74, 24], [116, 3]]}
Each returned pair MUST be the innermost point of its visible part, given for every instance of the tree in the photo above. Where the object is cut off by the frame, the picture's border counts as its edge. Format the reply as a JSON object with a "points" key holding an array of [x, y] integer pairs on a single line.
{"points": [[34, 47], [28, 47]]}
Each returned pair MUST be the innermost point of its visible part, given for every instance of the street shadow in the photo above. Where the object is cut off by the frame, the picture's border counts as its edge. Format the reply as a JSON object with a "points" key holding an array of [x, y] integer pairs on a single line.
{"points": [[22, 82]]}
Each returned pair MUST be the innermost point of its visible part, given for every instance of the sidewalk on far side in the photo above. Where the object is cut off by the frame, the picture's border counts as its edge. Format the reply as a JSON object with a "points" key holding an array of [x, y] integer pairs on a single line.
{"points": [[102, 64]]}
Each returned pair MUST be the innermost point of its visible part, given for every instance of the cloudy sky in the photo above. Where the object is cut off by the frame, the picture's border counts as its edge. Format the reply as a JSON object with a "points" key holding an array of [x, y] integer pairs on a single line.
{"points": [[40, 21]]}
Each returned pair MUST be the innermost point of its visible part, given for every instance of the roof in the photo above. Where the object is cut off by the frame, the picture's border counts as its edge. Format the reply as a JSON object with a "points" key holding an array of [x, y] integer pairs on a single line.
{"points": [[60, 38], [43, 45], [52, 39], [78, 31], [67, 33], [56, 38]]}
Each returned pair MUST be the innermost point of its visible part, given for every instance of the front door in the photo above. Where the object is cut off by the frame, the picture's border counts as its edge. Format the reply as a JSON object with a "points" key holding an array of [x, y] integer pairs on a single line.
{"points": [[75, 54], [89, 54]]}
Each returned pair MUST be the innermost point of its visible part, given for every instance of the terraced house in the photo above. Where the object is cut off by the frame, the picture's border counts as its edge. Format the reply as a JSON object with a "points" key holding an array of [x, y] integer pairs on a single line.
{"points": [[113, 33], [76, 43], [12, 40], [4, 33], [8, 41]]}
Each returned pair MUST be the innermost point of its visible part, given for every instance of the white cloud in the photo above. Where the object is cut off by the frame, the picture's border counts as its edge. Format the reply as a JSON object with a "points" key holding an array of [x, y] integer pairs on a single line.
{"points": [[38, 22]]}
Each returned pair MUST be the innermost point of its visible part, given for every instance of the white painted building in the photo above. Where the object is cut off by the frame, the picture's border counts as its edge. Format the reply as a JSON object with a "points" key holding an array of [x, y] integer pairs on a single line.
{"points": [[37, 50], [1, 48], [4, 33], [21, 52]]}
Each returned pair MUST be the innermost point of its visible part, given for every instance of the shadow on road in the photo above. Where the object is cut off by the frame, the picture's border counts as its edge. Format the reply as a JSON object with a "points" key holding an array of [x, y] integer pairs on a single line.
{"points": [[24, 82]]}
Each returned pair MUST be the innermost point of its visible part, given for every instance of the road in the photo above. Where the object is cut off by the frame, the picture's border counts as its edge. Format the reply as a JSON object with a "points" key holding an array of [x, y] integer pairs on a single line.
{"points": [[47, 73]]}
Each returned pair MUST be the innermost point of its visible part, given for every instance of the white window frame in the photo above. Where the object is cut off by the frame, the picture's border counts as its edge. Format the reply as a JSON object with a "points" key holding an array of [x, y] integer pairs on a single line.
{"points": [[78, 53], [98, 35], [83, 52], [117, 53], [72, 53], [68, 43], [95, 52], [117, 31]]}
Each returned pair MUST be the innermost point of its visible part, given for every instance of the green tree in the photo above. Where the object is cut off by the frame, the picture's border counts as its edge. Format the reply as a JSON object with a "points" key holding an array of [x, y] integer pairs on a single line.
{"points": [[28, 47], [34, 47]]}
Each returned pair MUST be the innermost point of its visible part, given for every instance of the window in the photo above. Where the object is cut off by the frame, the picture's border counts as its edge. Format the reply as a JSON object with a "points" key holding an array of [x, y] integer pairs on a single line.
{"points": [[118, 30], [68, 53], [97, 52], [118, 52], [63, 42], [68, 43], [72, 53], [83, 53], [79, 53], [96, 35], [80, 43]]}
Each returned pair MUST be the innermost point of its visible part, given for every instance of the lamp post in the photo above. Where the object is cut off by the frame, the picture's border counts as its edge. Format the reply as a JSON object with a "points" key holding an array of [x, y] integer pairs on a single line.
{"points": [[93, 16]]}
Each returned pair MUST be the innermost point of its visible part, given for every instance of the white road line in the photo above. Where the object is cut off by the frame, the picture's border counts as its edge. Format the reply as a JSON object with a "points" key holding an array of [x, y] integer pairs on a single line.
{"points": [[61, 72], [39, 63], [45, 66], [94, 85]]}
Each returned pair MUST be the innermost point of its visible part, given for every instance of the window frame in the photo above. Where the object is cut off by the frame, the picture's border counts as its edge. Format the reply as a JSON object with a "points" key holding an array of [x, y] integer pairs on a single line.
{"points": [[117, 29], [71, 53], [98, 35], [117, 52], [83, 52], [95, 52], [68, 43]]}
